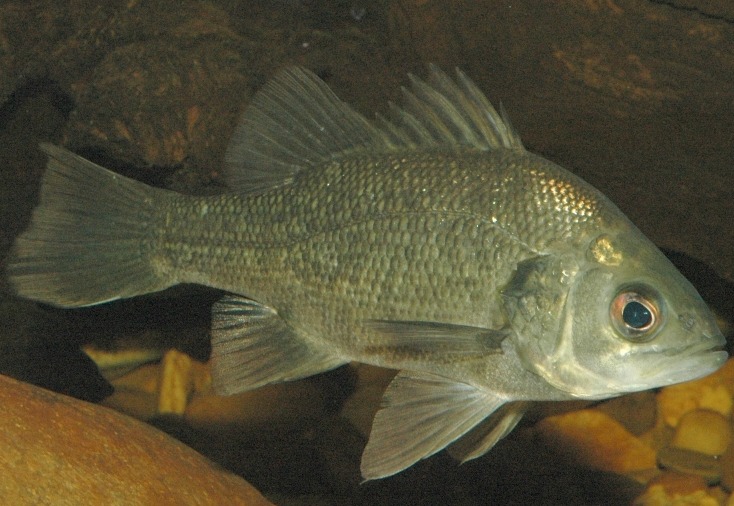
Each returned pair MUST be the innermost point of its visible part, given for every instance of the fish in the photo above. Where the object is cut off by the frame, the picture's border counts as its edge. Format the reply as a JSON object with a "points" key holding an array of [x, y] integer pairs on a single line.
{"points": [[427, 240]]}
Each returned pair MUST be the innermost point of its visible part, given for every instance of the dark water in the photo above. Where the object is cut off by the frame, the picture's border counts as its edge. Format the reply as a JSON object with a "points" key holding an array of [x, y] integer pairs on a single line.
{"points": [[640, 108]]}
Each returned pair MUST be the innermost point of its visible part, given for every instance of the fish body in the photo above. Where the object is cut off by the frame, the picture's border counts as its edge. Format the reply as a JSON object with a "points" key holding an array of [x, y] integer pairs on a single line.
{"points": [[431, 242]]}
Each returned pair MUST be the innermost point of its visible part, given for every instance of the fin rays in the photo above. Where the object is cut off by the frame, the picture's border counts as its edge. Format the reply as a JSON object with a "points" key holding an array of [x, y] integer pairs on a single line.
{"points": [[252, 346], [90, 238], [296, 122], [421, 414]]}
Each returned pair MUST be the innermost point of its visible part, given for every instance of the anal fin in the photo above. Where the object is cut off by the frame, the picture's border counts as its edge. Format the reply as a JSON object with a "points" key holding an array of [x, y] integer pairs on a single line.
{"points": [[253, 346], [420, 415]]}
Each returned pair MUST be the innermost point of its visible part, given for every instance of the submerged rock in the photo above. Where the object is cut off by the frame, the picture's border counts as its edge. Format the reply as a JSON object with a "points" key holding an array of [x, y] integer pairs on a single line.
{"points": [[59, 450]]}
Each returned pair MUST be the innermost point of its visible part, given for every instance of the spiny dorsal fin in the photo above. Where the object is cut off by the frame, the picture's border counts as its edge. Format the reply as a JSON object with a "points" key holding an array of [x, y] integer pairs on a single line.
{"points": [[296, 122], [444, 112]]}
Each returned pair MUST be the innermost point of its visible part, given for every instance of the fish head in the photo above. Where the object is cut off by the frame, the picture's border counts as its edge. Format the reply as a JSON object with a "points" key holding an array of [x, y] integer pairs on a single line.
{"points": [[621, 319]]}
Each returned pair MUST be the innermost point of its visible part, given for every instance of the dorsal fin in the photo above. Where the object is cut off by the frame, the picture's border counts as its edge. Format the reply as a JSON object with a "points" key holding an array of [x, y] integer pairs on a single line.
{"points": [[296, 122], [444, 112]]}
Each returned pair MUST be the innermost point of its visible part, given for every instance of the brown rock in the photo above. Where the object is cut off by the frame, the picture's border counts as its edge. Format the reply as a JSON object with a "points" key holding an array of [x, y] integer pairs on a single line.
{"points": [[678, 483], [690, 462], [636, 412], [181, 386], [594, 439], [727, 469], [177, 382], [676, 490], [289, 403], [59, 450], [703, 431], [713, 392], [611, 59]]}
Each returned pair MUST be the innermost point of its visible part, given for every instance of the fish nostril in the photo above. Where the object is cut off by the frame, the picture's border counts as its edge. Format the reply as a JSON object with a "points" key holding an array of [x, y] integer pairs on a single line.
{"points": [[687, 321]]}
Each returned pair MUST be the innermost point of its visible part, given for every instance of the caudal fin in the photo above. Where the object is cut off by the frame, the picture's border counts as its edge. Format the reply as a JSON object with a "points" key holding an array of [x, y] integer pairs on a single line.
{"points": [[91, 238]]}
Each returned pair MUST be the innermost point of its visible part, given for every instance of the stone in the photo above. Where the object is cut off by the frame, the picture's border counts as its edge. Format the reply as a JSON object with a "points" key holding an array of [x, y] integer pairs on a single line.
{"points": [[690, 462], [704, 431], [594, 439], [677, 489], [713, 392], [727, 469], [59, 450]]}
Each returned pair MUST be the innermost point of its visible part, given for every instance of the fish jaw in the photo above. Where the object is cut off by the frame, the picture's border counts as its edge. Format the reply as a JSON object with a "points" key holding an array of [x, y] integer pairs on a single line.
{"points": [[635, 371], [601, 364], [699, 361], [563, 312]]}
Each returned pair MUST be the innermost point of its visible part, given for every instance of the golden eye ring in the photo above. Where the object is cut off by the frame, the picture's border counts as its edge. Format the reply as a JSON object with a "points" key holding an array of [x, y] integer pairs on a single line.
{"points": [[636, 315]]}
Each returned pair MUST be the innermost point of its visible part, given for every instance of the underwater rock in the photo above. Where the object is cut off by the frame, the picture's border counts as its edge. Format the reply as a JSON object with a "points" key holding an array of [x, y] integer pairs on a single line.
{"points": [[690, 463], [178, 382], [137, 392], [713, 392], [685, 457], [727, 470], [181, 386], [59, 450], [673, 489], [596, 440], [704, 431], [636, 411]]}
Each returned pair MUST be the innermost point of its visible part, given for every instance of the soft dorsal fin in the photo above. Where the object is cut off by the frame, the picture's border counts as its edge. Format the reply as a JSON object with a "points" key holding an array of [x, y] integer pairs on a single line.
{"points": [[296, 122]]}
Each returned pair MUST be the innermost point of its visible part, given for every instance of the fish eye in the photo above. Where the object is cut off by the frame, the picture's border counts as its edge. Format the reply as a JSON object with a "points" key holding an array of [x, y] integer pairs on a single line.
{"points": [[635, 314]]}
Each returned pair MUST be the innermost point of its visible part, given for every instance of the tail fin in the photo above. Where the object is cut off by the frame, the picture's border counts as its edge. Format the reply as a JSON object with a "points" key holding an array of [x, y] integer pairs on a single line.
{"points": [[91, 238]]}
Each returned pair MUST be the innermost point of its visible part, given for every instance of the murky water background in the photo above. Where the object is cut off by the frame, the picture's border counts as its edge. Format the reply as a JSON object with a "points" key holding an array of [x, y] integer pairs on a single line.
{"points": [[634, 96]]}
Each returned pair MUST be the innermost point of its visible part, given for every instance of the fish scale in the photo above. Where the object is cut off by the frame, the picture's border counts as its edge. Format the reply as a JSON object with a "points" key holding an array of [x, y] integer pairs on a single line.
{"points": [[430, 242], [382, 275]]}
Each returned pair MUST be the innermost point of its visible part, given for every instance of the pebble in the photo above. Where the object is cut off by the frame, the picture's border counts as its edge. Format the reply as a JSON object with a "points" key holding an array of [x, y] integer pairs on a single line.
{"points": [[713, 392], [176, 383], [678, 483], [704, 431], [690, 462], [656, 495], [594, 439], [727, 469]]}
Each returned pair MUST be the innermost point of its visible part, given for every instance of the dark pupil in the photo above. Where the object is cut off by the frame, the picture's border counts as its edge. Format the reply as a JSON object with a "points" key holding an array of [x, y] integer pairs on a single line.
{"points": [[636, 315]]}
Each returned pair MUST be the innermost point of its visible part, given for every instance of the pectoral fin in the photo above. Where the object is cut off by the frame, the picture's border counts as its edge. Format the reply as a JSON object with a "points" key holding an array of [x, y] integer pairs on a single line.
{"points": [[421, 338], [253, 346], [421, 414]]}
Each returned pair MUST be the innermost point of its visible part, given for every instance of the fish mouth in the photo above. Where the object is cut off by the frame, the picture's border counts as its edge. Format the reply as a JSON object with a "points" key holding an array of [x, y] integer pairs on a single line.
{"points": [[689, 363], [709, 343]]}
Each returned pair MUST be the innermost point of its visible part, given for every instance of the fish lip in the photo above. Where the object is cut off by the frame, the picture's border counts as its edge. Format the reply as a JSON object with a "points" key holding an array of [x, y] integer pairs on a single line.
{"points": [[692, 362], [710, 343]]}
